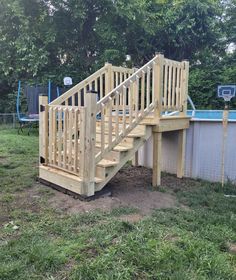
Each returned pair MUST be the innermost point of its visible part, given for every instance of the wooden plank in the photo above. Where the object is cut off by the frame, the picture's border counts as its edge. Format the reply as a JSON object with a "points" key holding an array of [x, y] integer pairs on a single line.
{"points": [[46, 131], [76, 131], [124, 91], [157, 143], [65, 131], [50, 137], [130, 103], [177, 88], [173, 87], [185, 86], [82, 140], [165, 86], [43, 100], [158, 84], [169, 86], [117, 116], [54, 141], [148, 86], [60, 111], [137, 98], [102, 129], [181, 153], [70, 133], [110, 122], [142, 93], [90, 139]]}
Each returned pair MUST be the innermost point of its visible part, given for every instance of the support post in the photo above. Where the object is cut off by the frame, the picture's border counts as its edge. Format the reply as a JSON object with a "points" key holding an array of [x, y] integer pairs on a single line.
{"points": [[158, 84], [108, 76], [43, 128], [88, 175], [181, 153], [135, 159], [156, 172], [184, 87]]}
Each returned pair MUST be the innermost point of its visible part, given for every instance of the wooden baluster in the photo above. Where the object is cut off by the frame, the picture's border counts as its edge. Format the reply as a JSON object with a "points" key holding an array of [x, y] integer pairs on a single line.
{"points": [[177, 87], [148, 87], [96, 85], [79, 97], [73, 100], [71, 123], [181, 87], [117, 115], [124, 91], [59, 136], [82, 151], [142, 93], [173, 86], [169, 86], [130, 103], [101, 86], [110, 122], [137, 99], [50, 137], [65, 125], [165, 86], [54, 136], [76, 131], [102, 128]]}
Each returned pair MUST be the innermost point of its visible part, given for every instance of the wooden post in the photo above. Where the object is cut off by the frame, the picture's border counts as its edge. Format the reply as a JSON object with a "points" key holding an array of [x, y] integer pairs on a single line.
{"points": [[89, 136], [181, 153], [108, 76], [158, 84], [225, 128], [184, 87], [135, 159], [43, 128], [157, 143]]}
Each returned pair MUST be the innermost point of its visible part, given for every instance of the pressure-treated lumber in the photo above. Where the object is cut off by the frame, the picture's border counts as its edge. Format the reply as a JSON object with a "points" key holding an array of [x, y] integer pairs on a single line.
{"points": [[84, 142], [43, 101], [181, 153], [157, 143]]}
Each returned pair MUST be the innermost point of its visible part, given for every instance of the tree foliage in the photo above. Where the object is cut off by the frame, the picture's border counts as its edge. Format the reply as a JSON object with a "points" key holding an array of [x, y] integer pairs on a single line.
{"points": [[42, 39]]}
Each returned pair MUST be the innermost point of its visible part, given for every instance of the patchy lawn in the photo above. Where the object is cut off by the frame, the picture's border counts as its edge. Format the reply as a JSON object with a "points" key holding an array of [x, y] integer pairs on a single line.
{"points": [[131, 235]]}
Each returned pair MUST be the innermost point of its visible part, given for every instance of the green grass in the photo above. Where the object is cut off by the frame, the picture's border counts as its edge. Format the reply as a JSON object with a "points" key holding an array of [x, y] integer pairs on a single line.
{"points": [[39, 242]]}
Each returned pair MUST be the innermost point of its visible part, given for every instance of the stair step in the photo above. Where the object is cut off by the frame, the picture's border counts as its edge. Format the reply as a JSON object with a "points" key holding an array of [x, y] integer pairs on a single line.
{"points": [[107, 163], [122, 148]]}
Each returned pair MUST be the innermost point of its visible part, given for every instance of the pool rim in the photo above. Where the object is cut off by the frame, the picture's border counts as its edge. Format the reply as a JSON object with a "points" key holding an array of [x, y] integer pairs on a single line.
{"points": [[194, 119]]}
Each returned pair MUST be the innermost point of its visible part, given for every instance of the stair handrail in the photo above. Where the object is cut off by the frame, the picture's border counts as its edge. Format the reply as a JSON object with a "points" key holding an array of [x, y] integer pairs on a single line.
{"points": [[78, 87], [114, 105]]}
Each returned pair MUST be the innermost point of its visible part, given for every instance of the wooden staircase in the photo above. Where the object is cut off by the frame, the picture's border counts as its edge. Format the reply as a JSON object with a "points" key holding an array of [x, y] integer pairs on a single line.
{"points": [[85, 142]]}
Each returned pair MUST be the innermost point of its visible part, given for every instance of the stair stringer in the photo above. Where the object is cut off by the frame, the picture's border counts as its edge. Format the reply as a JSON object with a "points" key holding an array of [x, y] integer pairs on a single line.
{"points": [[138, 143]]}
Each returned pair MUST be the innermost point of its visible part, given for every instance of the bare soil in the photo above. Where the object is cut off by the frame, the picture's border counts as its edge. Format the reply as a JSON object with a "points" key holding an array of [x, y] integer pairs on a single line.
{"points": [[131, 187]]}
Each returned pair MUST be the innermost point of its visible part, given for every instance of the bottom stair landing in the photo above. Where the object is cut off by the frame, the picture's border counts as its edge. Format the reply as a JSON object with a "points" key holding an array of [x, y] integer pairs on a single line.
{"points": [[105, 168]]}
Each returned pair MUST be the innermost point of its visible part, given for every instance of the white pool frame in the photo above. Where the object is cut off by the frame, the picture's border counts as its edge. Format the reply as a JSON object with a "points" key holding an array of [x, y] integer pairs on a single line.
{"points": [[203, 150]]}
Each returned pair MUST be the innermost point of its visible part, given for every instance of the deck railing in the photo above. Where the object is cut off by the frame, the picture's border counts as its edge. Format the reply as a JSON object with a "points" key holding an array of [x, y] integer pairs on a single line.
{"points": [[77, 130], [102, 81]]}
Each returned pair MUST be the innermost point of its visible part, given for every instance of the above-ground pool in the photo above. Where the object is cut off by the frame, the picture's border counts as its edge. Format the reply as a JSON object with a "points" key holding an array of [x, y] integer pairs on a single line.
{"points": [[203, 150], [213, 115]]}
